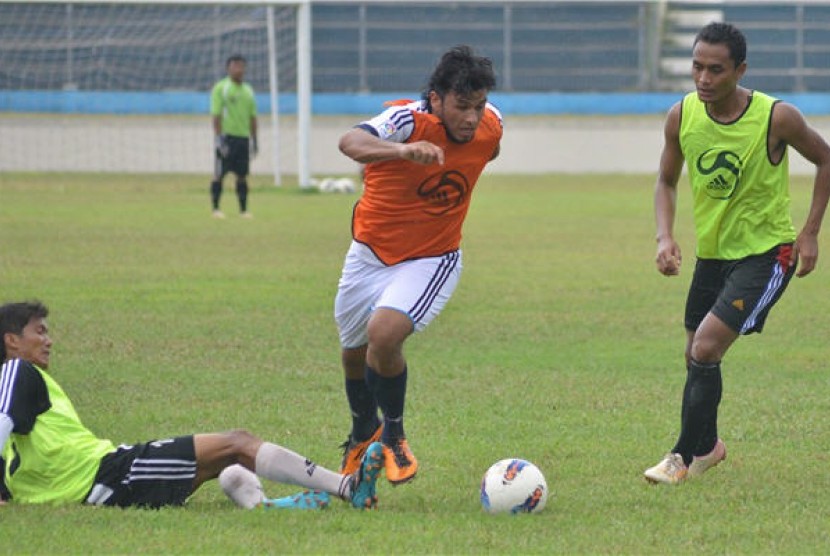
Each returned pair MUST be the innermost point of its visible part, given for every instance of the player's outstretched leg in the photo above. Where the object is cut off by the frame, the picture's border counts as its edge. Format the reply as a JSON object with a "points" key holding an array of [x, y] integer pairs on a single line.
{"points": [[365, 479]]}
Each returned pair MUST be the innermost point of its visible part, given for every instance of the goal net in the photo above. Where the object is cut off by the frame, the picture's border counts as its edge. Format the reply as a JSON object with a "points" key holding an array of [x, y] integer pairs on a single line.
{"points": [[125, 86]]}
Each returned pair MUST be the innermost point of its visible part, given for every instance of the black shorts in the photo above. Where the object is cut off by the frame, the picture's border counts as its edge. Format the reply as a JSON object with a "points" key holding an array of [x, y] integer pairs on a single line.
{"points": [[150, 475], [740, 292], [238, 159]]}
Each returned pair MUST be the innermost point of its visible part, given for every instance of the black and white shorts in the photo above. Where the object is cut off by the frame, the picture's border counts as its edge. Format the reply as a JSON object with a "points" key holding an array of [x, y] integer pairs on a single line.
{"points": [[740, 292], [151, 475]]}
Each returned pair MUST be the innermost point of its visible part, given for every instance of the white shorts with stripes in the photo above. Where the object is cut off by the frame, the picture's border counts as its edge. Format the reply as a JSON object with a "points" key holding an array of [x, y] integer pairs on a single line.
{"points": [[419, 288]]}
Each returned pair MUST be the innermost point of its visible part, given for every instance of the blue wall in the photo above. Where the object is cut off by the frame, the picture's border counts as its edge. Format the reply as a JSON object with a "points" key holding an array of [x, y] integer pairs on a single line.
{"points": [[77, 102]]}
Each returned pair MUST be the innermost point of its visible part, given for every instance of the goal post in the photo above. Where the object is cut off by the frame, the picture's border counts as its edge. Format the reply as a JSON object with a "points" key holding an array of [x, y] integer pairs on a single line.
{"points": [[124, 85]]}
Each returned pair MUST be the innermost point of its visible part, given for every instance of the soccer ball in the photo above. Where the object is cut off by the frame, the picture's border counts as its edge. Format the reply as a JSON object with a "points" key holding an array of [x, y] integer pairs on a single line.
{"points": [[336, 185], [513, 486], [327, 185], [344, 185]]}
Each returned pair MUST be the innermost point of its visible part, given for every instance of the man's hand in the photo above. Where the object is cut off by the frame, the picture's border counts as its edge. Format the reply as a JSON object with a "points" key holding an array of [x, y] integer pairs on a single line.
{"points": [[254, 147], [423, 152], [668, 257], [221, 144], [805, 254]]}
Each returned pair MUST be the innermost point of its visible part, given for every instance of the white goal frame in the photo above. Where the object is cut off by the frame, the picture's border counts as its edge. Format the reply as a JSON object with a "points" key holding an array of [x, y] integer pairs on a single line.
{"points": [[304, 72]]}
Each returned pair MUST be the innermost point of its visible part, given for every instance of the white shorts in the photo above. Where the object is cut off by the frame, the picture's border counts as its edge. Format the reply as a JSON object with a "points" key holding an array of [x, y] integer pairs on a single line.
{"points": [[419, 288]]}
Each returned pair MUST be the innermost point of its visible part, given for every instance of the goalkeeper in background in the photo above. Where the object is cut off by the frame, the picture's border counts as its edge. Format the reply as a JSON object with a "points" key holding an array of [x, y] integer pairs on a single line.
{"points": [[233, 107]]}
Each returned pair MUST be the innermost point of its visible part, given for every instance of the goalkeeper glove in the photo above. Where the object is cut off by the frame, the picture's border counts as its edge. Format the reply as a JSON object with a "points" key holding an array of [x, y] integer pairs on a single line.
{"points": [[254, 147], [222, 147]]}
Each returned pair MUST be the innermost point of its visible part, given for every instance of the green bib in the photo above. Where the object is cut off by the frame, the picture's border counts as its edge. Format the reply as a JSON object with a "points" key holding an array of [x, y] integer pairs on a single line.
{"points": [[741, 200], [59, 458], [236, 103]]}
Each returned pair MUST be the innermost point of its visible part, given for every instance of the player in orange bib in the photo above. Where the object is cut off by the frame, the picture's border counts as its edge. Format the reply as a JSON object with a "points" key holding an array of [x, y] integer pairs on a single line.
{"points": [[423, 159]]}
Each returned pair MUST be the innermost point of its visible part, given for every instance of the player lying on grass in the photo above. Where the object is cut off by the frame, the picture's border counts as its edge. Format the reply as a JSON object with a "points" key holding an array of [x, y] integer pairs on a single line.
{"points": [[51, 457]]}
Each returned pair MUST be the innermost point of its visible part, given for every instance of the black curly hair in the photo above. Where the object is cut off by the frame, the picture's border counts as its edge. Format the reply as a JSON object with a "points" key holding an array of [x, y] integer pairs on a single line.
{"points": [[461, 71]]}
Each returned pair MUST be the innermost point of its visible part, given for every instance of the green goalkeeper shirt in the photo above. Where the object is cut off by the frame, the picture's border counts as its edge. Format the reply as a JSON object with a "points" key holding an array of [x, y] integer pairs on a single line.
{"points": [[50, 456], [741, 199], [236, 104]]}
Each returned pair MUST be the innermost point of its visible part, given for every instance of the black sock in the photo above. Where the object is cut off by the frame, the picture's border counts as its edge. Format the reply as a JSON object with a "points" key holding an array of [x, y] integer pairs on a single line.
{"points": [[215, 193], [390, 393], [684, 406], [701, 397], [364, 409], [709, 437], [242, 193]]}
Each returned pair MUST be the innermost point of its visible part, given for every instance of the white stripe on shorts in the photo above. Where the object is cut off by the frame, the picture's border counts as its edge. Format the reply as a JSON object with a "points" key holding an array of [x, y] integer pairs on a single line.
{"points": [[772, 288], [444, 271], [167, 469]]}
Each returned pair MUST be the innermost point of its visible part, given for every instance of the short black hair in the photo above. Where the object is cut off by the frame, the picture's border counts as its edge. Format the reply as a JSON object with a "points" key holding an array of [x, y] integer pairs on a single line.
{"points": [[461, 71], [15, 316], [235, 58], [724, 33]]}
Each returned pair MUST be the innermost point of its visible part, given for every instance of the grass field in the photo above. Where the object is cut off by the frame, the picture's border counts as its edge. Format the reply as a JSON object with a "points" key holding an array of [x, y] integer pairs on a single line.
{"points": [[562, 345]]}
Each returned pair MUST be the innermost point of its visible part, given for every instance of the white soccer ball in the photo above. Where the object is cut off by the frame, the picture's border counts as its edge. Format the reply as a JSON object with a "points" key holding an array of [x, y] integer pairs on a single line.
{"points": [[327, 185], [344, 185], [513, 486]]}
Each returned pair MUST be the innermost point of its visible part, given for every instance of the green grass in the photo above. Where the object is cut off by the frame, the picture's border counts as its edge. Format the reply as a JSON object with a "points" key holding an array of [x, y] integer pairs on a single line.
{"points": [[562, 345]]}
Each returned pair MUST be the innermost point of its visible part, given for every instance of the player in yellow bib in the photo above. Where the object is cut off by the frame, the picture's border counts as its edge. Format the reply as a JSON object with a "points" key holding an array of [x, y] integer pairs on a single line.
{"points": [[734, 143], [51, 457]]}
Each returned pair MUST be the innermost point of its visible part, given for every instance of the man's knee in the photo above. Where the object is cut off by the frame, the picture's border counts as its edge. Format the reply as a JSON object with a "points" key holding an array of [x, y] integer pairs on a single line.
{"points": [[234, 446], [388, 328], [241, 437], [708, 349], [711, 340]]}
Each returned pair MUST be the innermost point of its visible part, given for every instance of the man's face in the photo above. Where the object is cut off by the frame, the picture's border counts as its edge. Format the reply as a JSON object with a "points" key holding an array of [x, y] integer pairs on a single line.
{"points": [[33, 345], [236, 70], [460, 114], [714, 72]]}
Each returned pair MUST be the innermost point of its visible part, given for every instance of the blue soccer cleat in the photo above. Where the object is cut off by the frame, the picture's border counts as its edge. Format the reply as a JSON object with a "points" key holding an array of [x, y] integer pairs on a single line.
{"points": [[306, 500], [365, 479]]}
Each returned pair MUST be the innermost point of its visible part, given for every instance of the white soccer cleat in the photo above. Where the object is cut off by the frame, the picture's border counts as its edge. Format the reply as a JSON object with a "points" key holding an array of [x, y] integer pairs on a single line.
{"points": [[701, 464], [218, 214], [670, 471]]}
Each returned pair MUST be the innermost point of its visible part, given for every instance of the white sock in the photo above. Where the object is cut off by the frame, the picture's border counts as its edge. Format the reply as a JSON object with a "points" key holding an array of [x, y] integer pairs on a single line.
{"points": [[281, 465], [241, 486]]}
